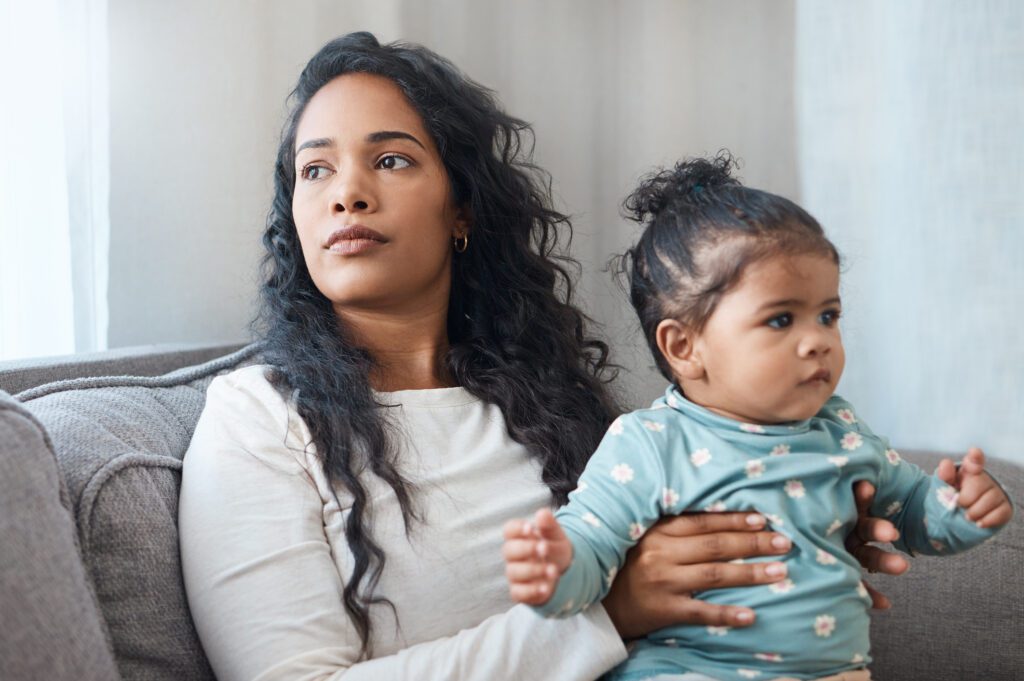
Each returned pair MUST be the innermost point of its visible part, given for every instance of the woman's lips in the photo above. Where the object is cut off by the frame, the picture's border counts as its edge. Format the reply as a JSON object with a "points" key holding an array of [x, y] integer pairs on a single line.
{"points": [[354, 246], [353, 239]]}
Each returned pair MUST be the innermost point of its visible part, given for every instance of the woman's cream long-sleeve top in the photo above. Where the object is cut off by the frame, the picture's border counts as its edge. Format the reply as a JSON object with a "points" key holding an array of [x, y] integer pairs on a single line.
{"points": [[265, 559]]}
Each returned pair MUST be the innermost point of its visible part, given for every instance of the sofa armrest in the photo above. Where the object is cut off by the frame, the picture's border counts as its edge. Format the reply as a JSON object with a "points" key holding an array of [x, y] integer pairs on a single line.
{"points": [[51, 627]]}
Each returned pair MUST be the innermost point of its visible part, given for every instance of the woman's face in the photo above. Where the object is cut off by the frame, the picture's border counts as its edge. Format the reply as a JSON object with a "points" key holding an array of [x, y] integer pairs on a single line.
{"points": [[372, 202]]}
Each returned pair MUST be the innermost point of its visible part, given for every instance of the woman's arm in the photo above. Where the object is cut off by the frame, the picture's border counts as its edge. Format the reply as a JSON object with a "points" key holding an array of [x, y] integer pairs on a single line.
{"points": [[689, 553], [265, 591]]}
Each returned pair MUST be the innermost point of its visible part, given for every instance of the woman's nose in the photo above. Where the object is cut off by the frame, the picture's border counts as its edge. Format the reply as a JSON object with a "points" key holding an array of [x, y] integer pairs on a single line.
{"points": [[352, 193]]}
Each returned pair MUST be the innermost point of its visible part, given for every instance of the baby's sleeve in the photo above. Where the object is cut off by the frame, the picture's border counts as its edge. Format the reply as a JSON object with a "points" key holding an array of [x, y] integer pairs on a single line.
{"points": [[924, 509], [618, 498]]}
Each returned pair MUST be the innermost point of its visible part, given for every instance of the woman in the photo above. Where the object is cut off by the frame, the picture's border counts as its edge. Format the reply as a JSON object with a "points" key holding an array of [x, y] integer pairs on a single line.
{"points": [[427, 379]]}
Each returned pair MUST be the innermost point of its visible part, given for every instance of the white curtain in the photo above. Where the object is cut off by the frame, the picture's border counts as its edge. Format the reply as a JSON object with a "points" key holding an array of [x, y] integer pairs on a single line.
{"points": [[911, 154], [53, 177]]}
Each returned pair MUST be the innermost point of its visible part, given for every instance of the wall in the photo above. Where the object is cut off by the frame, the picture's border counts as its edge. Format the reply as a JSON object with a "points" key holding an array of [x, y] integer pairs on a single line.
{"points": [[612, 88], [896, 126]]}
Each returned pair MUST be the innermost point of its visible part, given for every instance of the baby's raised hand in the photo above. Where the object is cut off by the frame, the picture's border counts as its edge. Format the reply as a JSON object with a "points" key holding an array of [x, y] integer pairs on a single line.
{"points": [[985, 501], [536, 555]]}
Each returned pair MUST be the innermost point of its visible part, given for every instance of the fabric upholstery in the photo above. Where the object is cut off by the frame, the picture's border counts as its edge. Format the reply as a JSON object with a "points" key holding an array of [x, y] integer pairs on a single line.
{"points": [[148, 360], [119, 442], [50, 628]]}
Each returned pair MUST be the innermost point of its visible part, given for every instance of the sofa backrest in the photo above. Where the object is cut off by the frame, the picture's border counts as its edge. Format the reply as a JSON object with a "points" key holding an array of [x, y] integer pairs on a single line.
{"points": [[119, 442]]}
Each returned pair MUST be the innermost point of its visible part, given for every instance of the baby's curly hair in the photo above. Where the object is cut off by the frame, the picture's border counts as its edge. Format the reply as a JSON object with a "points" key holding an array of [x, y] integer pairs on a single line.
{"points": [[702, 228]]}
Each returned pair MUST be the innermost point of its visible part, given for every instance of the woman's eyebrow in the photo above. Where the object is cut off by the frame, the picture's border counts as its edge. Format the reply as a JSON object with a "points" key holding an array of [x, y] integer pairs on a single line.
{"points": [[317, 143], [383, 135], [372, 138]]}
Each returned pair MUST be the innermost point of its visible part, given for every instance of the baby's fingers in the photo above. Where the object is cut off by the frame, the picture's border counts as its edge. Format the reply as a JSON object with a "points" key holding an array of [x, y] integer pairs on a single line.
{"points": [[530, 593], [530, 572], [973, 463], [514, 529], [947, 472], [520, 549], [999, 516], [990, 500], [547, 526]]}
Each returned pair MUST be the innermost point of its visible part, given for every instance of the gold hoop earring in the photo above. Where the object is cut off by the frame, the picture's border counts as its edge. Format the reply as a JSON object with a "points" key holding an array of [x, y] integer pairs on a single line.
{"points": [[461, 243]]}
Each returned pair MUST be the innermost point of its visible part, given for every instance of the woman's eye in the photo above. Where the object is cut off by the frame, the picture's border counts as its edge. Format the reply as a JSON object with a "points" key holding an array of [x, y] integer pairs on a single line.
{"points": [[393, 162], [829, 317], [314, 172], [780, 321]]}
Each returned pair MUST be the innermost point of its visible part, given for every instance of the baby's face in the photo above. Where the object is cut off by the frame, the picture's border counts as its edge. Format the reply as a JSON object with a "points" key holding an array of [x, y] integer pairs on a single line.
{"points": [[771, 350]]}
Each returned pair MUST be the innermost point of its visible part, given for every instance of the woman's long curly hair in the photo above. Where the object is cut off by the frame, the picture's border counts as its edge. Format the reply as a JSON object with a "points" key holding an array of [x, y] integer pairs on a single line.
{"points": [[515, 338]]}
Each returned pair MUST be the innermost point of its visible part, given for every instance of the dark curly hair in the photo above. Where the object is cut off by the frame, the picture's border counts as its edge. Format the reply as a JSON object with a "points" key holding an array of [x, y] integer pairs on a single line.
{"points": [[516, 339], [702, 229]]}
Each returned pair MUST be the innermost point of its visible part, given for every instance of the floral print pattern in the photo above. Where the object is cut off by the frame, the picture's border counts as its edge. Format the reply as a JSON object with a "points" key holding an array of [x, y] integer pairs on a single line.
{"points": [[700, 457], [851, 441], [616, 427], [669, 498], [622, 473], [795, 489], [846, 416], [824, 625]]}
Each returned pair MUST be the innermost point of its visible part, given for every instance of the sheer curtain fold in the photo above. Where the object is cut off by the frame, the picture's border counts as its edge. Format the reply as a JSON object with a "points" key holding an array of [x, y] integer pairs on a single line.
{"points": [[53, 177]]}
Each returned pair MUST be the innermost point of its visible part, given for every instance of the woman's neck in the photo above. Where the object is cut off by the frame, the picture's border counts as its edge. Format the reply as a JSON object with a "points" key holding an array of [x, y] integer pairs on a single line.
{"points": [[408, 348]]}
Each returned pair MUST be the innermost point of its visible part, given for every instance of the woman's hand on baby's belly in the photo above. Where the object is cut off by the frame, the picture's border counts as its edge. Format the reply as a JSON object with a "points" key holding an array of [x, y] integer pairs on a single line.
{"points": [[684, 554], [869, 529]]}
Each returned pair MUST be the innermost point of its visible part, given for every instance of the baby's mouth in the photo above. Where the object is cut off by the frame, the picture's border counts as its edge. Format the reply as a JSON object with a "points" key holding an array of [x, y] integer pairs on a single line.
{"points": [[822, 375]]}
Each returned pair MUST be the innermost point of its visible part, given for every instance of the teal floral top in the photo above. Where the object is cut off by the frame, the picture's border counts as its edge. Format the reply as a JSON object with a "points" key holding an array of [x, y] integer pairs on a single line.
{"points": [[678, 456]]}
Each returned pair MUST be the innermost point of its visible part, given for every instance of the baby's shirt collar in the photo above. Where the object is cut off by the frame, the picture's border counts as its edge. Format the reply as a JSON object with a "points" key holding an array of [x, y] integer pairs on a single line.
{"points": [[674, 399]]}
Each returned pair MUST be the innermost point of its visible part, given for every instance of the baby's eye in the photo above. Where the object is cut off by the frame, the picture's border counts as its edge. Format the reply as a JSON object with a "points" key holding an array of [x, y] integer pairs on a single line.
{"points": [[829, 317], [313, 172], [393, 162], [780, 321]]}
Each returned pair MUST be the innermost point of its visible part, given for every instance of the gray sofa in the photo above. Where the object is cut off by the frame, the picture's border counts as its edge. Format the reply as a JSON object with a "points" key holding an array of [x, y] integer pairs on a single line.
{"points": [[90, 583]]}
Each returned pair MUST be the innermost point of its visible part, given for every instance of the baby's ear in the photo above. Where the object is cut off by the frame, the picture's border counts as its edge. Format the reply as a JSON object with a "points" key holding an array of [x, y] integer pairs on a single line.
{"points": [[676, 343]]}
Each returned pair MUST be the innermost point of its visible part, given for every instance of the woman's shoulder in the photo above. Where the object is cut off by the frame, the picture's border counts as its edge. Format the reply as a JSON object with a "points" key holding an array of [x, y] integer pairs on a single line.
{"points": [[244, 408], [247, 388]]}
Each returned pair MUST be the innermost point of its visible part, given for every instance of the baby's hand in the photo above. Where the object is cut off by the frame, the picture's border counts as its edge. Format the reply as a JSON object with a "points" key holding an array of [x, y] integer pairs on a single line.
{"points": [[985, 501], [536, 555]]}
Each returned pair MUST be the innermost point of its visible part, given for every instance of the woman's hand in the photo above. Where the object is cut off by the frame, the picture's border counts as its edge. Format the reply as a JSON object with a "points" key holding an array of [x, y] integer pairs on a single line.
{"points": [[870, 529], [687, 553]]}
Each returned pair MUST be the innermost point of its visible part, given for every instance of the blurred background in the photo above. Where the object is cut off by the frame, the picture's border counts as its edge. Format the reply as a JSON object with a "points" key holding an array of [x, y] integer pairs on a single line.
{"points": [[138, 140]]}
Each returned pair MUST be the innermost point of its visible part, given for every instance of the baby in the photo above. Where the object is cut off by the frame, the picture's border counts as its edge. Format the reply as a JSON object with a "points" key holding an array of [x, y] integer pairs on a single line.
{"points": [[737, 291]]}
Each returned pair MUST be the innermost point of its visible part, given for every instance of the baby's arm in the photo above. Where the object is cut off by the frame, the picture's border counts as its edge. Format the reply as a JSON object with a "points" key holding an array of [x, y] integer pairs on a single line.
{"points": [[929, 511], [620, 495], [536, 555]]}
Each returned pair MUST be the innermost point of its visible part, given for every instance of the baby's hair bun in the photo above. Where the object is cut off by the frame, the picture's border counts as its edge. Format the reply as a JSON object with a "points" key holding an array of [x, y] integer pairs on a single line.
{"points": [[688, 183]]}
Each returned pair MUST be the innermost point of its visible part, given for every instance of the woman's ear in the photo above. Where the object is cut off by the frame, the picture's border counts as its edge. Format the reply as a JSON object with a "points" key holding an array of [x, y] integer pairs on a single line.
{"points": [[676, 343], [463, 222]]}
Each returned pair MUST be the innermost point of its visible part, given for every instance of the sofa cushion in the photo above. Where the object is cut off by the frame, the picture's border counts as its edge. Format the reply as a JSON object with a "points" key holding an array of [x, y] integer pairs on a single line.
{"points": [[957, 617], [119, 442], [51, 628]]}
